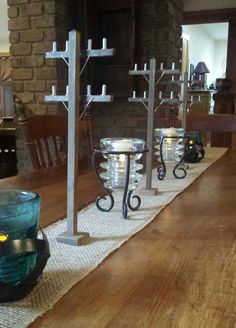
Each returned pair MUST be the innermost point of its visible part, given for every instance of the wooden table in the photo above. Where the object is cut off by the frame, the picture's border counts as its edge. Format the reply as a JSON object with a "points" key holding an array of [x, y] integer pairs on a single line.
{"points": [[177, 272]]}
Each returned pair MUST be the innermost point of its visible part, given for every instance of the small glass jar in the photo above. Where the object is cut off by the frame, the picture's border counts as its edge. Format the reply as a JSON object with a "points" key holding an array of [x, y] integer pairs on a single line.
{"points": [[19, 219], [116, 164]]}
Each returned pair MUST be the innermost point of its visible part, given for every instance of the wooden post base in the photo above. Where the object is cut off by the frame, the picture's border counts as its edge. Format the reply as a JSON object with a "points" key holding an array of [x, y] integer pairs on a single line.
{"points": [[74, 240]]}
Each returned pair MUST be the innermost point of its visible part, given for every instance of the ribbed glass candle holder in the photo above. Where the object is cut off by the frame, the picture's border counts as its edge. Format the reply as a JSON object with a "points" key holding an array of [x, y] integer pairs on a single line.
{"points": [[116, 165], [172, 147]]}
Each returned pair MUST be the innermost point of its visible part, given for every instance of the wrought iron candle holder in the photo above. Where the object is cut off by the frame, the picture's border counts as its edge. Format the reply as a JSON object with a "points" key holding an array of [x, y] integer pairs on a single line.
{"points": [[170, 145], [121, 170]]}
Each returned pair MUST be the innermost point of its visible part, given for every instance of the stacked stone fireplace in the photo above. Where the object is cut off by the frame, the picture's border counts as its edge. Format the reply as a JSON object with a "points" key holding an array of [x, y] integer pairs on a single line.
{"points": [[154, 31]]}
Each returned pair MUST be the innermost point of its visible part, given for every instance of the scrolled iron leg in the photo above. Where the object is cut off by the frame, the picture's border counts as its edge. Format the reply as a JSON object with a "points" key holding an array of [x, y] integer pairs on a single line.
{"points": [[133, 208], [103, 209], [161, 172], [179, 168], [107, 190]]}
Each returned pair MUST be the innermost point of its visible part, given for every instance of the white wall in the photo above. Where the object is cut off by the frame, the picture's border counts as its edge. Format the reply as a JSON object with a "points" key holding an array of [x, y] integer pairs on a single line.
{"points": [[220, 58], [201, 48], [4, 34], [195, 5]]}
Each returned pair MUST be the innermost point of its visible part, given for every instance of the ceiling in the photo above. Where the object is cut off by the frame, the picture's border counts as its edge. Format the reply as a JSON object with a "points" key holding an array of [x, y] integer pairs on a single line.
{"points": [[193, 5]]}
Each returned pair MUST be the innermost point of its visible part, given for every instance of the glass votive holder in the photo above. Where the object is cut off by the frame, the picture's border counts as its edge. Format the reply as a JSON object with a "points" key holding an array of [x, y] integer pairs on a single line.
{"points": [[19, 219], [170, 148], [121, 170], [116, 164]]}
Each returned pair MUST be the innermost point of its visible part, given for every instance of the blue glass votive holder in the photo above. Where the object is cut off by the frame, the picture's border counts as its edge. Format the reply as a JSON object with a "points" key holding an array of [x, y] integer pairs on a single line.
{"points": [[19, 219]]}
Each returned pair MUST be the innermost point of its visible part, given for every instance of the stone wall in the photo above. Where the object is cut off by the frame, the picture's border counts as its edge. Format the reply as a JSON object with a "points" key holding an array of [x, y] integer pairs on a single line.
{"points": [[34, 24], [158, 35]]}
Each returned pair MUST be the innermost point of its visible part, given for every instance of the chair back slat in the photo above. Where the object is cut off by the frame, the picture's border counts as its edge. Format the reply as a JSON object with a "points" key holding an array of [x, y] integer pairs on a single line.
{"points": [[46, 138], [49, 160], [56, 150], [40, 153]]}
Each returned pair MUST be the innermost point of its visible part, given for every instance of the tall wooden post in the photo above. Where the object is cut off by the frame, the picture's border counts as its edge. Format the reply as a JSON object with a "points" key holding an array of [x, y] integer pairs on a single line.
{"points": [[151, 99]]}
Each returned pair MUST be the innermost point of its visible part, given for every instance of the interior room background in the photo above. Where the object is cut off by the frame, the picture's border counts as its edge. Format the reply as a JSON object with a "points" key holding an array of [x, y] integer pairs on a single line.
{"points": [[138, 29]]}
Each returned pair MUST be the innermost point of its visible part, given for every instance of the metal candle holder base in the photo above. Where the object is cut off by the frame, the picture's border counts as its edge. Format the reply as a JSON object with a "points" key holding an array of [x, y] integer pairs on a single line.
{"points": [[161, 170], [127, 194]]}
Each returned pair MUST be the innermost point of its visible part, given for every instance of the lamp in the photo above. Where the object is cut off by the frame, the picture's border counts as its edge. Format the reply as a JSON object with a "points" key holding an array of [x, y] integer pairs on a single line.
{"points": [[170, 145], [121, 170], [200, 71]]}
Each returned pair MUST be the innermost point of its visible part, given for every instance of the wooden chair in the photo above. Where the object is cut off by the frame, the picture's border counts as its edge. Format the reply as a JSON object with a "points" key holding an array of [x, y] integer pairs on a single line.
{"points": [[220, 128], [46, 139]]}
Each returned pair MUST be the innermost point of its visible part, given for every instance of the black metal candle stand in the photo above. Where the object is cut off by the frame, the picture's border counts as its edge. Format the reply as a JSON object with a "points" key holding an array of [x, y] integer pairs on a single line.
{"points": [[161, 170], [126, 200]]}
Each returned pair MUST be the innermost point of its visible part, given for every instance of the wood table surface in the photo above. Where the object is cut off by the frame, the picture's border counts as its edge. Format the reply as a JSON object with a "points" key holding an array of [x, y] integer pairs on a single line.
{"points": [[179, 271]]}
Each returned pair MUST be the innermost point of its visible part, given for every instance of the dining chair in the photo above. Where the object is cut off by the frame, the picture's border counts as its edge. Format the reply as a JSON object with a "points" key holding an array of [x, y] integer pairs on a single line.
{"points": [[46, 138], [220, 128]]}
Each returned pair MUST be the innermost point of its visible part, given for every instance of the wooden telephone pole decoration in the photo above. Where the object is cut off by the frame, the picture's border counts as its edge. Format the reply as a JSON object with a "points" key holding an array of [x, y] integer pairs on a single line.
{"points": [[149, 103], [71, 56]]}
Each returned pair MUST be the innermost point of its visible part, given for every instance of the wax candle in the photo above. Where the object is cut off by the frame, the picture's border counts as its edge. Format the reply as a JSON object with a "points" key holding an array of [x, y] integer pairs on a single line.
{"points": [[160, 94], [171, 95], [161, 66], [169, 132], [122, 145], [173, 65], [145, 67], [145, 94], [53, 90], [135, 67], [134, 94]]}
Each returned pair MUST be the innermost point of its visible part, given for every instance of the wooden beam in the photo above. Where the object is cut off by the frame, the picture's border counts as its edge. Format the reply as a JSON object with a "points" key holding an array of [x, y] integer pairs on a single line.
{"points": [[209, 16]]}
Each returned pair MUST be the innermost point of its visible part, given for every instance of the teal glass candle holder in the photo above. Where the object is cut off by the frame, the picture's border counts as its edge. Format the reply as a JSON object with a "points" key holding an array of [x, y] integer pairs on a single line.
{"points": [[19, 219], [23, 255]]}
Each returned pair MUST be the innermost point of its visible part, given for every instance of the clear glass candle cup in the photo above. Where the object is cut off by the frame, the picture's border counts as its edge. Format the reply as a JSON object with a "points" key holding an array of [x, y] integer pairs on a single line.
{"points": [[172, 147], [19, 219], [116, 164]]}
